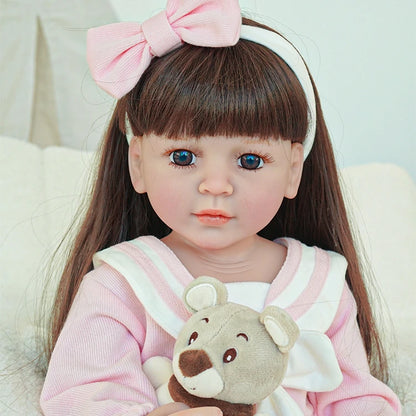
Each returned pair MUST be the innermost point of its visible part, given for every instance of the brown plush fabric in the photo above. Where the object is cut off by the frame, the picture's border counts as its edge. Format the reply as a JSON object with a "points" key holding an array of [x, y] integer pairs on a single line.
{"points": [[194, 362], [179, 394]]}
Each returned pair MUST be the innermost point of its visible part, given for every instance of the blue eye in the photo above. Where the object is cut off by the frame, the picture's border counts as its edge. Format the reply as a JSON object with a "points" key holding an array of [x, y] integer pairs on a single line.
{"points": [[182, 157], [250, 161]]}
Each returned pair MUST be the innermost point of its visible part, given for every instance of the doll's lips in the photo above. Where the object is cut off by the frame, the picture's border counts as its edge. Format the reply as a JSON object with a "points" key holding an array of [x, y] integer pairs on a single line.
{"points": [[213, 217]]}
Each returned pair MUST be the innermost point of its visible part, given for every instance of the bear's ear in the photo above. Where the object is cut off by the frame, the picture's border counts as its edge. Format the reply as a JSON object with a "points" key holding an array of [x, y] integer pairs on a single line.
{"points": [[204, 292], [281, 327]]}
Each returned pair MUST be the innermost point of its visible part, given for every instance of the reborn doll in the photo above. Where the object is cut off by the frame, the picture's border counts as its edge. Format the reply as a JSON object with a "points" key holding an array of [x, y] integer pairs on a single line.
{"points": [[228, 168], [227, 355]]}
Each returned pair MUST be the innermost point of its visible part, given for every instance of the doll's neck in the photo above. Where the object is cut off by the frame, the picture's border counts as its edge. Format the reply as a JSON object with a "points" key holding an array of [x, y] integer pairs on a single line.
{"points": [[255, 260]]}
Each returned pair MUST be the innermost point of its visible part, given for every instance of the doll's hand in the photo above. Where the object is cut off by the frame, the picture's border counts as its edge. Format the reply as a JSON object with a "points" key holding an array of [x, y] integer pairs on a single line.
{"points": [[168, 409], [200, 411], [180, 409]]}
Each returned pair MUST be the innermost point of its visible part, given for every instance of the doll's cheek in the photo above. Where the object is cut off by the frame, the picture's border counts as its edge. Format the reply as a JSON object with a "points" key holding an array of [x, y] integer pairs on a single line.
{"points": [[262, 210], [167, 203]]}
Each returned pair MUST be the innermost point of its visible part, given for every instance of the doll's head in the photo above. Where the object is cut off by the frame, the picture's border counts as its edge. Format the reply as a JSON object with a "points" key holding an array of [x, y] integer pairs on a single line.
{"points": [[242, 90]]}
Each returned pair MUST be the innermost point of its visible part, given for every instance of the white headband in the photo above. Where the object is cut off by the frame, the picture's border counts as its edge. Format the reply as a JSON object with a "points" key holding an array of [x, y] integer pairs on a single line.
{"points": [[281, 47]]}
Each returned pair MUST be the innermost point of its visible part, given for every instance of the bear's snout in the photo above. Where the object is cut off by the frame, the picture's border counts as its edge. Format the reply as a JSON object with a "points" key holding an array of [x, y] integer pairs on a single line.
{"points": [[194, 362]]}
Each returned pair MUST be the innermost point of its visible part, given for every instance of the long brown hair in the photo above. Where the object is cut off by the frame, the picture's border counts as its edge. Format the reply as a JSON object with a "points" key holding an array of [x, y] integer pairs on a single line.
{"points": [[241, 90]]}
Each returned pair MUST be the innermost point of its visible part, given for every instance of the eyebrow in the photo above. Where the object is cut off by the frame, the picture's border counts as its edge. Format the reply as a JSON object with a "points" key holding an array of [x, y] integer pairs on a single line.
{"points": [[243, 336]]}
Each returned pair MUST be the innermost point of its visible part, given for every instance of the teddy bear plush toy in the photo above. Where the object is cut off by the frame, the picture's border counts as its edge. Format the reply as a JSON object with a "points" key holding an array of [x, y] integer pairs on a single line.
{"points": [[227, 355]]}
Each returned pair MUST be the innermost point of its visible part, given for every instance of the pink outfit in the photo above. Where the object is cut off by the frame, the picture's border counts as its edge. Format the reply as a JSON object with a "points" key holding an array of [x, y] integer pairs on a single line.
{"points": [[129, 309]]}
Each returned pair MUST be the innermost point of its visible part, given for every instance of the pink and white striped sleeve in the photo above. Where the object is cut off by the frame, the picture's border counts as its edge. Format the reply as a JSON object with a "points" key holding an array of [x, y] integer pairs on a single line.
{"points": [[360, 394], [95, 368]]}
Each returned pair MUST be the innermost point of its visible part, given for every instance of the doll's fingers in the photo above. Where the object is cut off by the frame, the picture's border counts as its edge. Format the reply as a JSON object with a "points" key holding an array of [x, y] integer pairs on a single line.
{"points": [[200, 411], [168, 409]]}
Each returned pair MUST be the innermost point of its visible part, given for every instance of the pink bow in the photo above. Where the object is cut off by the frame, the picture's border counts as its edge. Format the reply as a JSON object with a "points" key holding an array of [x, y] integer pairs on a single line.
{"points": [[119, 53]]}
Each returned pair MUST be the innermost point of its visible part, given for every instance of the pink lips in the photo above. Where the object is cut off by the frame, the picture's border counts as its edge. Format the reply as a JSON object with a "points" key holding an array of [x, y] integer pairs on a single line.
{"points": [[213, 217]]}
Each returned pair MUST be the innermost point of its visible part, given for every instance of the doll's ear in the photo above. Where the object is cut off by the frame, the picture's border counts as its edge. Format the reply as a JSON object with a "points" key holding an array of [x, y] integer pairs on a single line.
{"points": [[296, 168], [135, 165], [280, 326], [204, 292]]}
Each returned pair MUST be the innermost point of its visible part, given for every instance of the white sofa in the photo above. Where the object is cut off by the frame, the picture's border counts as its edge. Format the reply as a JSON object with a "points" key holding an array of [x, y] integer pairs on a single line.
{"points": [[40, 190]]}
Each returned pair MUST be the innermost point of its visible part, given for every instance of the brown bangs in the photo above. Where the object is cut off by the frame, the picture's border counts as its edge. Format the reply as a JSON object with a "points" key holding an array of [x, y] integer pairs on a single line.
{"points": [[244, 90]]}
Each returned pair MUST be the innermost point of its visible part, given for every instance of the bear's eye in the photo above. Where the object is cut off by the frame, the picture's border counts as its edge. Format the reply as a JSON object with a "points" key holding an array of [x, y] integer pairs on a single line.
{"points": [[229, 355], [193, 337]]}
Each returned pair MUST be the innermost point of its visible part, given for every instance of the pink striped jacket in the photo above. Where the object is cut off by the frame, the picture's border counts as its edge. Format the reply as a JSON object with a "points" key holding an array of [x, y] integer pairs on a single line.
{"points": [[129, 309]]}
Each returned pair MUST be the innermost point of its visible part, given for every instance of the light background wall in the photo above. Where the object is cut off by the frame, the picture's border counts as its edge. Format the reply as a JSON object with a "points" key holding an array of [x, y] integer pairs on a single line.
{"points": [[362, 55]]}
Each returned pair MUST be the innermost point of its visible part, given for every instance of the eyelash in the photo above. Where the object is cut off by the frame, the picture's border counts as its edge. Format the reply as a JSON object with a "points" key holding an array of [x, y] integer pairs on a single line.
{"points": [[175, 165], [266, 158]]}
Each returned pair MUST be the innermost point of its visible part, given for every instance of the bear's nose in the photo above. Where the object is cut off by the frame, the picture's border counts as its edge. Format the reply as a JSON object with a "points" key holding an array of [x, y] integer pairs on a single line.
{"points": [[194, 362]]}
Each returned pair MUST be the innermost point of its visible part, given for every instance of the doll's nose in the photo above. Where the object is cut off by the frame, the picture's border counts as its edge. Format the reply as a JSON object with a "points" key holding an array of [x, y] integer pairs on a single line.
{"points": [[194, 362], [216, 183]]}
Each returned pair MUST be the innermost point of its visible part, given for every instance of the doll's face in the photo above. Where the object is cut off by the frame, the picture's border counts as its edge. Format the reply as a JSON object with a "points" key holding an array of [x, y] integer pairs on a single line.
{"points": [[215, 191]]}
